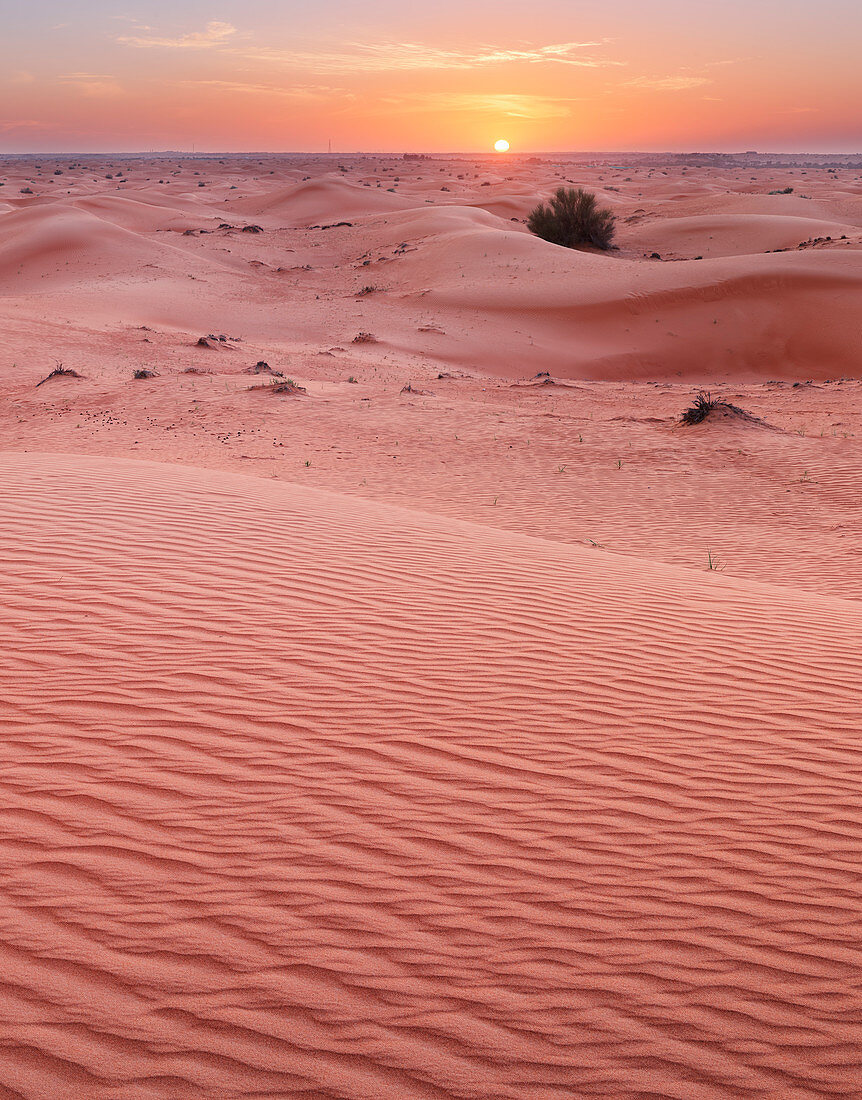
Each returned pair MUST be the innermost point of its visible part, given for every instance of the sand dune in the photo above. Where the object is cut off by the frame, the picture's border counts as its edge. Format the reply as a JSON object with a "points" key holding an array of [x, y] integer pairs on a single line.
{"points": [[46, 243], [592, 316], [306, 796], [322, 200], [465, 727], [731, 235], [439, 243], [145, 212], [60, 246]]}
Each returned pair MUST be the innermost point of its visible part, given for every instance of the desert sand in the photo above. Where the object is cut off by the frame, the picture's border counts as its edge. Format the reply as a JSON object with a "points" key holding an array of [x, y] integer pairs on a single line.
{"points": [[453, 722]]}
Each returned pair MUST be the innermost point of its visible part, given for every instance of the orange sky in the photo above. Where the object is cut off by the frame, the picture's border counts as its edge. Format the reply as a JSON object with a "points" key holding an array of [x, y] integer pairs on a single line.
{"points": [[452, 76]]}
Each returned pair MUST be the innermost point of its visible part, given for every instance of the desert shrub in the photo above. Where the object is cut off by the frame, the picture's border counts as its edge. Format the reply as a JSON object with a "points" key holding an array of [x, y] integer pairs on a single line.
{"points": [[59, 372], [702, 406], [572, 218]]}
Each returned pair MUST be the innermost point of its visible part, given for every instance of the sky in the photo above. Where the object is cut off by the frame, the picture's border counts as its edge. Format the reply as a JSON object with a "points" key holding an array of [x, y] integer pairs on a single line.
{"points": [[438, 76]]}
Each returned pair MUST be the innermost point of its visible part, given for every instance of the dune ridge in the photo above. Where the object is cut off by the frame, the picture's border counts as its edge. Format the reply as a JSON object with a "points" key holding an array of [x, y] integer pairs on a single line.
{"points": [[312, 796]]}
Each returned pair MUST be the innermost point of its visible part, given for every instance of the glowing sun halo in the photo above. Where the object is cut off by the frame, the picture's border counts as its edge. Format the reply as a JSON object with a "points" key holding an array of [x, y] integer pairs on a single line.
{"points": [[502, 146]]}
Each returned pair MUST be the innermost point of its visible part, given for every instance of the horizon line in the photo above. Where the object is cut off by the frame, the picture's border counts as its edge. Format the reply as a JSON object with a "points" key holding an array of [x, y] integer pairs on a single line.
{"points": [[438, 153]]}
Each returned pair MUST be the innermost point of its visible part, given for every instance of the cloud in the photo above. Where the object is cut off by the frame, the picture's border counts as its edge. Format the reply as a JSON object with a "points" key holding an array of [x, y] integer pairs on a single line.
{"points": [[306, 92], [91, 84], [729, 61], [509, 106], [500, 105], [22, 124], [371, 56], [668, 83], [414, 55], [214, 36]]}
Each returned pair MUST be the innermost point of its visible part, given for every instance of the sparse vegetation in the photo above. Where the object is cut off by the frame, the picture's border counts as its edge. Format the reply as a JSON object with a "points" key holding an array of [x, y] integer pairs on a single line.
{"points": [[573, 219], [282, 385], [703, 405], [262, 367], [713, 562], [59, 372]]}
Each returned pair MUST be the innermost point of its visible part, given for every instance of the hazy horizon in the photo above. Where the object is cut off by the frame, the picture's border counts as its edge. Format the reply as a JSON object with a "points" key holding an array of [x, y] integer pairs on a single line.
{"points": [[438, 153]]}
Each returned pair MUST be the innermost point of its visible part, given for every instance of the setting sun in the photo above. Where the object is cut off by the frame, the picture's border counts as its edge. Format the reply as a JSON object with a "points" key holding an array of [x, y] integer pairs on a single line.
{"points": [[502, 146]]}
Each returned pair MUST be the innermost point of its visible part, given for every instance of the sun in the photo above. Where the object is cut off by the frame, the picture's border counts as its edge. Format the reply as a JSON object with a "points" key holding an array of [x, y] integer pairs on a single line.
{"points": [[502, 146]]}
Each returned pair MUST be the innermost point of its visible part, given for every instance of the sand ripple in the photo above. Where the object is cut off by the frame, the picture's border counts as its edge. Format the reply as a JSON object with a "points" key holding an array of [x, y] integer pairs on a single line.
{"points": [[304, 796]]}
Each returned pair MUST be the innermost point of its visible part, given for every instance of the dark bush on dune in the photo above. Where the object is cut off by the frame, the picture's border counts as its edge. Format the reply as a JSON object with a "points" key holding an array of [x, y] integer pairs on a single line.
{"points": [[572, 219], [704, 405], [701, 407]]}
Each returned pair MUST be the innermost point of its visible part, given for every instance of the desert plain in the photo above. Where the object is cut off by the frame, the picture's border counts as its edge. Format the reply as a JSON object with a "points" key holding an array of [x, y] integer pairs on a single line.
{"points": [[397, 699]]}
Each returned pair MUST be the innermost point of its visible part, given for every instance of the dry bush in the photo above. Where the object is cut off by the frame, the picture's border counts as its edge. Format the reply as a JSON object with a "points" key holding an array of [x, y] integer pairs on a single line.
{"points": [[573, 219]]}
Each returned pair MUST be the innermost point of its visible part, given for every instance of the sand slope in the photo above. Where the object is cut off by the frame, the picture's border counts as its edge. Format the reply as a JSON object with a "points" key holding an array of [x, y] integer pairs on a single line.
{"points": [[309, 796]]}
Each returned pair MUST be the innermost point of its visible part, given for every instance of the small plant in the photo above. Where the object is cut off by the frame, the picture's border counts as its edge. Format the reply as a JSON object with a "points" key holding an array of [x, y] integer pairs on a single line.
{"points": [[143, 373], [308, 462], [281, 385], [352, 380], [262, 367], [619, 463], [703, 405], [782, 191], [59, 372], [713, 562], [572, 219], [561, 469]]}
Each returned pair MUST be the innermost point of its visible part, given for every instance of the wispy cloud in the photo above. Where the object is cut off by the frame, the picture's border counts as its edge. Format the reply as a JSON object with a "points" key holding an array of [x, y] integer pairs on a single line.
{"points": [[724, 61], [510, 106], [371, 56], [668, 83], [214, 35], [306, 92], [415, 55], [91, 84], [22, 124]]}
